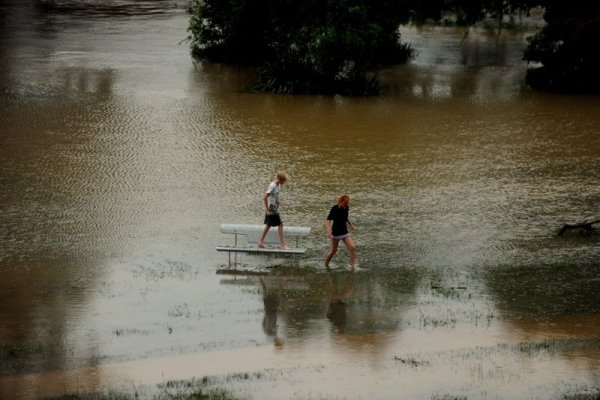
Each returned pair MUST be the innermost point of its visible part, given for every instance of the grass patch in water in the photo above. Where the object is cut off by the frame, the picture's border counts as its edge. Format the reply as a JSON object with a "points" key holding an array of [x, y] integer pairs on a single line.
{"points": [[95, 396], [588, 394], [177, 394], [205, 388], [567, 345], [447, 397], [411, 361]]}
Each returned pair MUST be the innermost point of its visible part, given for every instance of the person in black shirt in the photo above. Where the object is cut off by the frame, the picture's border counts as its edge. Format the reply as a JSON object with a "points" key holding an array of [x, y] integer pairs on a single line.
{"points": [[337, 229]]}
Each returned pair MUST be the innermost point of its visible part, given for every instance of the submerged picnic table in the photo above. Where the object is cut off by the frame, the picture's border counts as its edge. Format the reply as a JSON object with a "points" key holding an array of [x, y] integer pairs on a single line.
{"points": [[246, 240]]}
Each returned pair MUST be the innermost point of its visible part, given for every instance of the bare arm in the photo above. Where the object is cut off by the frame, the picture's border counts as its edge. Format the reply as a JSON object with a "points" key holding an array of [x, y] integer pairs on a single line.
{"points": [[351, 225], [266, 202], [329, 225]]}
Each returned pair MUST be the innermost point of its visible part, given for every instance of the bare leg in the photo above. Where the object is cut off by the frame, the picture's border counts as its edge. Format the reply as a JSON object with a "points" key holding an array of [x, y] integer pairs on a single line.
{"points": [[282, 244], [334, 246], [352, 250], [261, 241]]}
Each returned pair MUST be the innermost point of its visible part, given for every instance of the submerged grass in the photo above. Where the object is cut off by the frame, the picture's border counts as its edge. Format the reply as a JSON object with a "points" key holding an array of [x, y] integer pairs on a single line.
{"points": [[198, 389], [178, 393], [448, 397], [593, 394], [95, 396], [205, 388]]}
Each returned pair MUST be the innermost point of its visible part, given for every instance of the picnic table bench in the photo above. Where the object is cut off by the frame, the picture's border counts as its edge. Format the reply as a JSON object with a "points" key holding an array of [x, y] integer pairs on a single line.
{"points": [[246, 239]]}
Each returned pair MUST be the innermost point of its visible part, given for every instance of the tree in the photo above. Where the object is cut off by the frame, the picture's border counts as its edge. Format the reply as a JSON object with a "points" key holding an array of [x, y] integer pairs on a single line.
{"points": [[310, 46], [566, 53], [230, 31]]}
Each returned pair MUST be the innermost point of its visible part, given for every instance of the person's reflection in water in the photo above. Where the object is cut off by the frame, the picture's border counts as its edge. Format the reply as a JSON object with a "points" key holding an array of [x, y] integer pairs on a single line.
{"points": [[272, 303], [338, 302]]}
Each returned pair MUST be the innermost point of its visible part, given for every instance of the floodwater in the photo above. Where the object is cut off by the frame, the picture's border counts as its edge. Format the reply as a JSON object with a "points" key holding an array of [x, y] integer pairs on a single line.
{"points": [[120, 158]]}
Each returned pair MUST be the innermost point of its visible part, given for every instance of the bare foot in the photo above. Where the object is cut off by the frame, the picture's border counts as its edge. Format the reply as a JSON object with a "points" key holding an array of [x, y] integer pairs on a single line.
{"points": [[285, 247], [262, 246]]}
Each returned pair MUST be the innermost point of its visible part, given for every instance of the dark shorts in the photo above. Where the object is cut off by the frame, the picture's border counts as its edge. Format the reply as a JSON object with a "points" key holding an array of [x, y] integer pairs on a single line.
{"points": [[272, 219]]}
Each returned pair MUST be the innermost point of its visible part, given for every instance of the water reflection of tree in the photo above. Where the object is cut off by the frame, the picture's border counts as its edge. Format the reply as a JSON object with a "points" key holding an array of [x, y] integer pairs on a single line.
{"points": [[34, 321], [544, 292], [557, 305], [480, 64], [54, 238]]}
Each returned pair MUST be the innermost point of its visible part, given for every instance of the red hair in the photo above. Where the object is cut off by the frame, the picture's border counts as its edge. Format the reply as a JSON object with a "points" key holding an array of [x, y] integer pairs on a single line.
{"points": [[343, 201]]}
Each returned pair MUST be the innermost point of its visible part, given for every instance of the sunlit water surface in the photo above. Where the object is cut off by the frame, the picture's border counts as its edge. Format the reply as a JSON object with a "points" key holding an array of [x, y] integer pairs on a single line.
{"points": [[120, 158]]}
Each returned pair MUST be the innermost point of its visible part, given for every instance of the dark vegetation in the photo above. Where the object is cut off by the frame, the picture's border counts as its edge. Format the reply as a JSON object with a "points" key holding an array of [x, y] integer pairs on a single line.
{"points": [[310, 46], [567, 49], [335, 46]]}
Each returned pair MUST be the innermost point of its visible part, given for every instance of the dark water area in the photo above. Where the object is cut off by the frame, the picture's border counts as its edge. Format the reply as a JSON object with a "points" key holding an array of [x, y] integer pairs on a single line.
{"points": [[120, 158]]}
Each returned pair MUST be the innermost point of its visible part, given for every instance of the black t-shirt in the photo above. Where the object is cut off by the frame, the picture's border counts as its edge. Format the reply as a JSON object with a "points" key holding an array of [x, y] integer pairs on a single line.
{"points": [[339, 216]]}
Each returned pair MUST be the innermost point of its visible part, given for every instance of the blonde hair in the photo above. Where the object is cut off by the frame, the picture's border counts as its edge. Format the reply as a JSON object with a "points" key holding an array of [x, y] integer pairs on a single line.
{"points": [[343, 201], [282, 176]]}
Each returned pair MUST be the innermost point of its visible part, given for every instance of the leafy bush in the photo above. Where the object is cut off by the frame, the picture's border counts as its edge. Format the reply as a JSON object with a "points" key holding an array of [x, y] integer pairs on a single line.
{"points": [[311, 46]]}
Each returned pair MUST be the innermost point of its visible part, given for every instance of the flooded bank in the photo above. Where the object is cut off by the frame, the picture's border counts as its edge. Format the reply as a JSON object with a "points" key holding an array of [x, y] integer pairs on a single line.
{"points": [[120, 158], [371, 334]]}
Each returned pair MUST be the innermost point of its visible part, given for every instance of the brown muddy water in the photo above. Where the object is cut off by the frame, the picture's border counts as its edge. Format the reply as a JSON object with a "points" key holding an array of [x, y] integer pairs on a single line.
{"points": [[120, 158]]}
